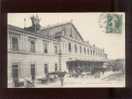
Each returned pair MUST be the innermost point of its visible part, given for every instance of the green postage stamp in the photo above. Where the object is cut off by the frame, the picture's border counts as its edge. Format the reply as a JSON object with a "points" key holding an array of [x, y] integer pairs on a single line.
{"points": [[114, 23], [111, 22]]}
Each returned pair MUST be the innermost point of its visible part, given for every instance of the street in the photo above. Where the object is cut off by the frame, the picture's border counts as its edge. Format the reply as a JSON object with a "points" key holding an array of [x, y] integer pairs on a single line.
{"points": [[108, 79]]}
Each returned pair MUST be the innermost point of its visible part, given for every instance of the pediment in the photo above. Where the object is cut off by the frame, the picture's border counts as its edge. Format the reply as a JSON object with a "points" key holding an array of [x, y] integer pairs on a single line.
{"points": [[72, 32]]}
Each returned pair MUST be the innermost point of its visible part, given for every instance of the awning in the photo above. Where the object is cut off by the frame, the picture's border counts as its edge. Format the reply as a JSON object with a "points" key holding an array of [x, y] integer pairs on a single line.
{"points": [[84, 61]]}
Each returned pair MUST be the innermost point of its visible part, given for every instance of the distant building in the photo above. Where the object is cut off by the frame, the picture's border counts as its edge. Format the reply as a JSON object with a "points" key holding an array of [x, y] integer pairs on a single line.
{"points": [[34, 52], [117, 64]]}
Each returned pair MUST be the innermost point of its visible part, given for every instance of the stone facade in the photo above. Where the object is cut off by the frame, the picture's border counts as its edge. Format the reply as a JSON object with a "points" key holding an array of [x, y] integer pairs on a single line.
{"points": [[62, 38]]}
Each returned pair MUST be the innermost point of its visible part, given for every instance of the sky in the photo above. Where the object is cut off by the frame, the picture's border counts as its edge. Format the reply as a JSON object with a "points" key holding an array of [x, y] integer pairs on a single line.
{"points": [[88, 25]]}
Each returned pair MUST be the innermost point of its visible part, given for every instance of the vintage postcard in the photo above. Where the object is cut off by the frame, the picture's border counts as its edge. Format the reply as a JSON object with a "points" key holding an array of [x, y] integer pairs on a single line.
{"points": [[66, 50]]}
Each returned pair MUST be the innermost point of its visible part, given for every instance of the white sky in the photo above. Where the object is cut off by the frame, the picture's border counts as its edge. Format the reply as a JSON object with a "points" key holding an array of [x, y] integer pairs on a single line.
{"points": [[86, 23]]}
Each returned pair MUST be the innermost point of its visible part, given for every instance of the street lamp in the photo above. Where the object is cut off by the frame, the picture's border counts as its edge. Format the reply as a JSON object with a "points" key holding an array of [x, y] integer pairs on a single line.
{"points": [[60, 53], [60, 73]]}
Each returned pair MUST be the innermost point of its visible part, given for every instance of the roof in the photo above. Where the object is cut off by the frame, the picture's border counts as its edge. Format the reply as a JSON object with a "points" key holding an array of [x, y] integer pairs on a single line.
{"points": [[60, 25], [43, 31], [12, 27]]}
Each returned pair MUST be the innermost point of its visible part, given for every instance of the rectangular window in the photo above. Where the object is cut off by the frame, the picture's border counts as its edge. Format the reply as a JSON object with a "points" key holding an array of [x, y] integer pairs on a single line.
{"points": [[32, 48], [93, 52], [84, 50], [88, 51], [55, 49], [75, 48], [69, 47], [80, 49], [71, 35], [56, 68], [15, 43], [45, 47]]}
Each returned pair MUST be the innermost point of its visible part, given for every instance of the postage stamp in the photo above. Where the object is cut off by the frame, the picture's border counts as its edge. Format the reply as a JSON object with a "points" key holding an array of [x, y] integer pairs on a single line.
{"points": [[111, 23]]}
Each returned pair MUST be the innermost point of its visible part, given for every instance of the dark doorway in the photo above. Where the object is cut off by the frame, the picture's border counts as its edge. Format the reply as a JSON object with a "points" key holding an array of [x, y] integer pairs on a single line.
{"points": [[56, 67], [33, 71], [15, 74], [46, 70]]}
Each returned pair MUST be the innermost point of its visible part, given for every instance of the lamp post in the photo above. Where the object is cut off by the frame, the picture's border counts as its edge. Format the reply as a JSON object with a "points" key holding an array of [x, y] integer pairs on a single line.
{"points": [[60, 54], [61, 74]]}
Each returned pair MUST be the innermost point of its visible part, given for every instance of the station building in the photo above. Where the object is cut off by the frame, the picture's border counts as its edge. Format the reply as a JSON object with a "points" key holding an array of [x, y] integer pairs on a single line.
{"points": [[34, 51]]}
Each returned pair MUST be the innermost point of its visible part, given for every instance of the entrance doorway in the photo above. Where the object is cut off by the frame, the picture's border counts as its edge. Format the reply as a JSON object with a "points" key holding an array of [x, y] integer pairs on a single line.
{"points": [[15, 74], [46, 70], [33, 72]]}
